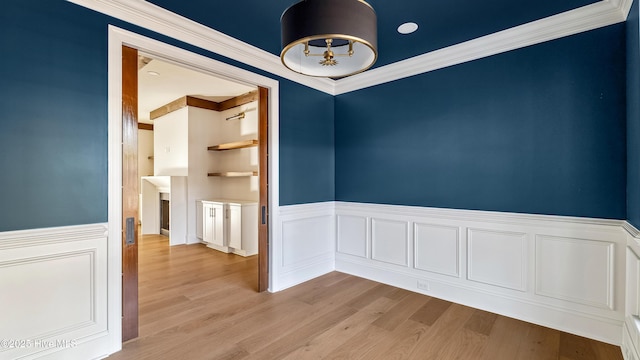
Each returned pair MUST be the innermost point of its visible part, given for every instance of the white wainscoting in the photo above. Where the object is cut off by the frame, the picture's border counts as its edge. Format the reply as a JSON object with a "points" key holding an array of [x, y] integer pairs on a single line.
{"points": [[53, 293], [562, 272], [307, 244]]}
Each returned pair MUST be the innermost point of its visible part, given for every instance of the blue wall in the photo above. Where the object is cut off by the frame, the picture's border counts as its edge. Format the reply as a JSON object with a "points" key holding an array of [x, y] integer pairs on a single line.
{"points": [[535, 130], [306, 145], [53, 119], [633, 117], [53, 115]]}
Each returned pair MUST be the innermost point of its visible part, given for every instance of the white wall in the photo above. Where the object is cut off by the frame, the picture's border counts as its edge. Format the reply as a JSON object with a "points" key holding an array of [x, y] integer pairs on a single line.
{"points": [[178, 211], [145, 167], [171, 144], [149, 208], [145, 150]]}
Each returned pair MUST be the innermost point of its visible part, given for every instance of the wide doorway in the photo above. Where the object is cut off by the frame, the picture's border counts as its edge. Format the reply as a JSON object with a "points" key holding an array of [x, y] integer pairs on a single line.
{"points": [[233, 240]]}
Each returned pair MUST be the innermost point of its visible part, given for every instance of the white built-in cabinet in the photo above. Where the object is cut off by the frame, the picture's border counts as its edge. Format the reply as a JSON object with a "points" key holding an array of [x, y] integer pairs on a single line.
{"points": [[229, 225]]}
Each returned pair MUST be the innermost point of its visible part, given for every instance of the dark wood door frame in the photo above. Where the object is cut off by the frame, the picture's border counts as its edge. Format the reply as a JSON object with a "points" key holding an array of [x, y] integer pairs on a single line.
{"points": [[130, 191]]}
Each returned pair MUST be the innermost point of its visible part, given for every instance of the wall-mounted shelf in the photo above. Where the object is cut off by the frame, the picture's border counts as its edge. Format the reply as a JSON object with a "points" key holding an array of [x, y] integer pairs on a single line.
{"points": [[234, 145], [234, 173]]}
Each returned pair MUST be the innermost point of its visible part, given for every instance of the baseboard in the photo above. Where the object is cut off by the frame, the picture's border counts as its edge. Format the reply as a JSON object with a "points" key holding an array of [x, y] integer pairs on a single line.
{"points": [[318, 267]]}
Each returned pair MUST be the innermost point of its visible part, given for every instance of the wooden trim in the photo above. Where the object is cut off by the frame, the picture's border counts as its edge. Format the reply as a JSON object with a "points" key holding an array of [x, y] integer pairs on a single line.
{"points": [[263, 227], [202, 103], [179, 103], [234, 145], [143, 126], [176, 104], [130, 191], [238, 100]]}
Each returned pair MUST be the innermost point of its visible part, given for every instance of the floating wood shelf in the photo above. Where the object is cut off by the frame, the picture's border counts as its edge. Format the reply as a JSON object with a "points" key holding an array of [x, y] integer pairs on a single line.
{"points": [[234, 173], [234, 145]]}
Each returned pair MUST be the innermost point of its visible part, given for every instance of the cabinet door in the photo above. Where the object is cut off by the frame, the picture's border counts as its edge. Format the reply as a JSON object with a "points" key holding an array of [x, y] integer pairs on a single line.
{"points": [[217, 224], [207, 222], [234, 221]]}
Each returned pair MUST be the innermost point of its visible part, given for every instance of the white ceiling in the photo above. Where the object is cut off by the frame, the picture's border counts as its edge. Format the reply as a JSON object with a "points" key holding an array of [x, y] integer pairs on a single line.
{"points": [[173, 82]]}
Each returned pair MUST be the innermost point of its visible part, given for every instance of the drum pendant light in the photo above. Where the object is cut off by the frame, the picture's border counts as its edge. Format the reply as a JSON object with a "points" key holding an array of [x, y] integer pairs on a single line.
{"points": [[329, 38]]}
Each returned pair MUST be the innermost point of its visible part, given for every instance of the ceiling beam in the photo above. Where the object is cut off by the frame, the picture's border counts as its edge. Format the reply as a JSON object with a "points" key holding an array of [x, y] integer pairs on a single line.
{"points": [[238, 100]]}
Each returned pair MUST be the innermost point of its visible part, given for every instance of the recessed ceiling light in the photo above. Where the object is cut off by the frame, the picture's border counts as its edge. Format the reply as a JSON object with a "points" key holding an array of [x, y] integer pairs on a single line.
{"points": [[153, 73], [407, 28]]}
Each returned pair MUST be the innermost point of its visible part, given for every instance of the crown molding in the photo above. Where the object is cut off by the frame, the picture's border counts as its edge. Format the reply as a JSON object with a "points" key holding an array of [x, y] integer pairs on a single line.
{"points": [[162, 21], [571, 22], [624, 6]]}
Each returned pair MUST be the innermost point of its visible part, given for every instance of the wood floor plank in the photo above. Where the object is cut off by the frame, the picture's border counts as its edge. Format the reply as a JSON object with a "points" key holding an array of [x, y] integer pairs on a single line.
{"points": [[203, 348], [298, 336], [431, 311], [438, 337], [481, 322], [398, 294], [576, 348], [400, 342], [253, 332], [369, 296], [342, 332], [539, 342], [221, 304], [402, 311], [321, 294], [607, 351], [505, 339], [463, 344], [197, 303]]}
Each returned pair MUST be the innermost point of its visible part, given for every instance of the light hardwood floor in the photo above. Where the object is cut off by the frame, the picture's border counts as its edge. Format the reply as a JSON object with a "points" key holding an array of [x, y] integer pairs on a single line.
{"points": [[197, 303]]}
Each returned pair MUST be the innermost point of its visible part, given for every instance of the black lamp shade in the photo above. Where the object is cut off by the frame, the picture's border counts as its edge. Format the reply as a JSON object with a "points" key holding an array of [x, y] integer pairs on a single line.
{"points": [[343, 21]]}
